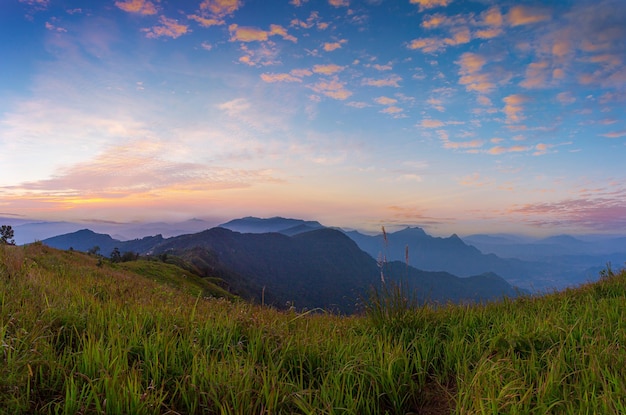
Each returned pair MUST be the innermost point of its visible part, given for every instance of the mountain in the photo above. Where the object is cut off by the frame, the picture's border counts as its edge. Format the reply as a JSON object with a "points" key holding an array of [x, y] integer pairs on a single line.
{"points": [[29, 231], [278, 224], [547, 248], [85, 240], [448, 254], [322, 268]]}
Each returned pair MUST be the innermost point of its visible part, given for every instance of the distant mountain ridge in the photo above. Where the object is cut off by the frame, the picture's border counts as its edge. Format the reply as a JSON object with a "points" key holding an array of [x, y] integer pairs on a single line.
{"points": [[530, 263], [321, 268], [277, 224]]}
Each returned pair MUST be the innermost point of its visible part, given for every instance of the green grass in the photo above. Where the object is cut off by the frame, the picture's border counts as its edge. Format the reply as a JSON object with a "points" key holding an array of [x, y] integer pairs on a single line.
{"points": [[137, 338]]}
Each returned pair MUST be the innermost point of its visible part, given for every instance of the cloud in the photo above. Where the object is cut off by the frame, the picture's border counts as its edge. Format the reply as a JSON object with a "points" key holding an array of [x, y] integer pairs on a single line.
{"points": [[606, 212], [541, 149], [339, 3], [279, 77], [458, 36], [385, 100], [565, 98], [392, 110], [135, 169], [205, 22], [328, 69], [54, 28], [330, 46], [429, 4], [430, 123], [332, 88], [282, 32], [391, 80], [220, 8], [300, 73], [263, 55], [615, 134], [235, 106], [253, 34], [513, 149], [523, 15], [537, 75], [513, 108], [471, 65], [144, 7], [475, 180], [169, 28]]}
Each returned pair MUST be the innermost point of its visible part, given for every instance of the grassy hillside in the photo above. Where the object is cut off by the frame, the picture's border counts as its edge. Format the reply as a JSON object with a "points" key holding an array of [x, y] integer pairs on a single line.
{"points": [[135, 338]]}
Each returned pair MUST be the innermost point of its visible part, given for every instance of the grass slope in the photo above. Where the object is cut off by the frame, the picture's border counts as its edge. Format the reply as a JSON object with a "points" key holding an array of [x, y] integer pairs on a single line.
{"points": [[77, 338]]}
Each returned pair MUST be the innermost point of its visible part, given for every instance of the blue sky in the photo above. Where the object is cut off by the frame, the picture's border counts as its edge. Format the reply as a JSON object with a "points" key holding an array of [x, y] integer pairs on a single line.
{"points": [[457, 116]]}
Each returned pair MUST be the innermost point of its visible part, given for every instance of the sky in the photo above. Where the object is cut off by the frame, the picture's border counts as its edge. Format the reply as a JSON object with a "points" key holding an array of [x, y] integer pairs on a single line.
{"points": [[456, 116]]}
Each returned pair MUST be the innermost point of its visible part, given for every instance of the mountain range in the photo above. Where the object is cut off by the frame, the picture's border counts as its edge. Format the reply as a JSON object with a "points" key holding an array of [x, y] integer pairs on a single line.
{"points": [[320, 268], [533, 264]]}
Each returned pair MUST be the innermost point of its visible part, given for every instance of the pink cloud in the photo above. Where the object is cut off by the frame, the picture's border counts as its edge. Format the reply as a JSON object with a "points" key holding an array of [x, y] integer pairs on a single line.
{"points": [[429, 123], [279, 77], [513, 108], [513, 149], [169, 28], [391, 80], [602, 213], [615, 134]]}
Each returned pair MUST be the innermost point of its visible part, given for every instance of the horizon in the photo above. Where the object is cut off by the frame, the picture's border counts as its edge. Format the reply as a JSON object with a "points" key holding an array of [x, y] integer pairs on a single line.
{"points": [[168, 229], [453, 116]]}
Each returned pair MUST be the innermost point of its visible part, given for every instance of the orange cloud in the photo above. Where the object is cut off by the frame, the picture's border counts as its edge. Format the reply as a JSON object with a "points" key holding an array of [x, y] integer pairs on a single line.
{"points": [[523, 15], [169, 28], [429, 4], [282, 32], [328, 69], [246, 34], [137, 6], [391, 80], [471, 62], [253, 34], [220, 8], [428, 44], [541, 149], [492, 17], [332, 88], [204, 22], [435, 20], [537, 75], [339, 3], [329, 47], [470, 66]]}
